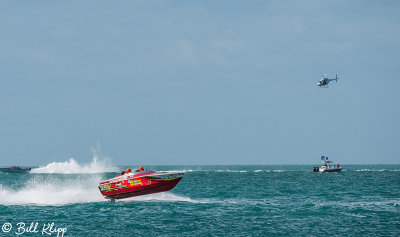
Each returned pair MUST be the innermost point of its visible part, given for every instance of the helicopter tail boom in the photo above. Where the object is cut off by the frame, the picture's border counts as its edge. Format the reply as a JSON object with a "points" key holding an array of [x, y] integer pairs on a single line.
{"points": [[336, 78]]}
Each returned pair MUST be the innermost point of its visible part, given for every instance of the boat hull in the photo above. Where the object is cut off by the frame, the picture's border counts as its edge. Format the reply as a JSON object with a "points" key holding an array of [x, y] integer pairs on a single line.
{"points": [[335, 170], [135, 185], [326, 170], [15, 170]]}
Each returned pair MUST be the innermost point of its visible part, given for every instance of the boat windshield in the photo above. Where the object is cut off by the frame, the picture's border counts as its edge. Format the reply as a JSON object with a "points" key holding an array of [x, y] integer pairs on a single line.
{"points": [[142, 171]]}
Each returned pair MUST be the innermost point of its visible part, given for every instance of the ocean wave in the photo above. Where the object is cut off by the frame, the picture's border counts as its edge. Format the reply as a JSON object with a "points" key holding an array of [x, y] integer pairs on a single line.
{"points": [[387, 205], [371, 170], [233, 171], [164, 197], [184, 171], [269, 171], [245, 171]]}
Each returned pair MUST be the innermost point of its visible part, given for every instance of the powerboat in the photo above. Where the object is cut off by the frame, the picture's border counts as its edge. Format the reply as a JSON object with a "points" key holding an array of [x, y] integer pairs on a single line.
{"points": [[327, 166], [15, 169], [140, 182]]}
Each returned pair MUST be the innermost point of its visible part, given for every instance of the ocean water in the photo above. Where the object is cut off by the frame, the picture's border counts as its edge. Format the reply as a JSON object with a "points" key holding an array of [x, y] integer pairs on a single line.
{"points": [[260, 200]]}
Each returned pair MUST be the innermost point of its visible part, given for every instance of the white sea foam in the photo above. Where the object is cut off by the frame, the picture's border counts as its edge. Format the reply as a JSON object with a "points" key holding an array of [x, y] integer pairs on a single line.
{"points": [[354, 215], [73, 167], [370, 170], [53, 191], [176, 171], [387, 205], [233, 171], [164, 197]]}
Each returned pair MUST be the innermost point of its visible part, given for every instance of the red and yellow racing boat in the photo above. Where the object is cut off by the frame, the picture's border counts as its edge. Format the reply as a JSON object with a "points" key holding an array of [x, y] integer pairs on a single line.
{"points": [[139, 182]]}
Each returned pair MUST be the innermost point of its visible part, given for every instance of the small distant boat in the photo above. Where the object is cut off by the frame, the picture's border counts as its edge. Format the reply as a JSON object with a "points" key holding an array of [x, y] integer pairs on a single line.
{"points": [[139, 182], [15, 169], [327, 167]]}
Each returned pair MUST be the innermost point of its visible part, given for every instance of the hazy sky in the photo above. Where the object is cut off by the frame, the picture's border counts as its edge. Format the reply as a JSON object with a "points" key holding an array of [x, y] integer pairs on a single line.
{"points": [[199, 82]]}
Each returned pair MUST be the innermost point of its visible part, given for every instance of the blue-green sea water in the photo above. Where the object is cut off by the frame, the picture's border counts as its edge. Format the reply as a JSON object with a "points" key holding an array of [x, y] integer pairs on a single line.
{"points": [[279, 200]]}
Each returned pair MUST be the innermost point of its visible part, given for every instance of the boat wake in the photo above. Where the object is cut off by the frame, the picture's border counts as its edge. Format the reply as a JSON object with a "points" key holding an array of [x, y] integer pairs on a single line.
{"points": [[50, 190]]}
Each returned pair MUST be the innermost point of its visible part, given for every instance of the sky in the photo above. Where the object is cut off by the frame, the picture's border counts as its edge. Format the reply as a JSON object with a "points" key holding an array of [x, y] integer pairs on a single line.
{"points": [[199, 82]]}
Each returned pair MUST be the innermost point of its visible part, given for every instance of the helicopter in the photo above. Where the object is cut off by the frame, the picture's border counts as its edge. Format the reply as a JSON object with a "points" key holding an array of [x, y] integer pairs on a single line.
{"points": [[325, 81]]}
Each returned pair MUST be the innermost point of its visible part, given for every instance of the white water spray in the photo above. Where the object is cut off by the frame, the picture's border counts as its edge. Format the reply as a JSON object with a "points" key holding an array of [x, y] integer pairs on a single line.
{"points": [[51, 190], [48, 185], [73, 167]]}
